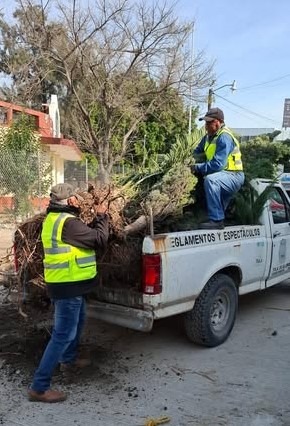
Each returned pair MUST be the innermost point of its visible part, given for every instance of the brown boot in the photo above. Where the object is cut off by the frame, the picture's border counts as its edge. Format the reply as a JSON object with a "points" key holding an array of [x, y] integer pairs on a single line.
{"points": [[49, 396]]}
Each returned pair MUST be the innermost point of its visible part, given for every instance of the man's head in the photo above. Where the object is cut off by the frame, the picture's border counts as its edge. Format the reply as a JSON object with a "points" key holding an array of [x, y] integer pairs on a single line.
{"points": [[214, 118], [65, 194]]}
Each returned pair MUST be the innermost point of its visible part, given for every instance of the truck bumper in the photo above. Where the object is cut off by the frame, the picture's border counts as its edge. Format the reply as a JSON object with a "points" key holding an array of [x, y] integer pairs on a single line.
{"points": [[135, 319]]}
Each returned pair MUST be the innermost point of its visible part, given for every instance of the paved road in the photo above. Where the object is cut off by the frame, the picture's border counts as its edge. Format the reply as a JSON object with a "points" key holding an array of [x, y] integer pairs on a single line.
{"points": [[244, 382]]}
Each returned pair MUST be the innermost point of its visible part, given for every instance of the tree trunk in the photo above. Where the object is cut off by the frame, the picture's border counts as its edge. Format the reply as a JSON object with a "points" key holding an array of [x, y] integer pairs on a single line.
{"points": [[103, 177], [137, 226]]}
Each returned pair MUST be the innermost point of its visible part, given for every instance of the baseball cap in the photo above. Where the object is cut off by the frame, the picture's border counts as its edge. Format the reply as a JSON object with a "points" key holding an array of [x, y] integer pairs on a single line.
{"points": [[62, 191], [213, 114]]}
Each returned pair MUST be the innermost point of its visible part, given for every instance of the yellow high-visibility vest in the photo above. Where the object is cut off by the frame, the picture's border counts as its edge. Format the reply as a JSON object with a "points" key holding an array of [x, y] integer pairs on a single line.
{"points": [[64, 262], [234, 161]]}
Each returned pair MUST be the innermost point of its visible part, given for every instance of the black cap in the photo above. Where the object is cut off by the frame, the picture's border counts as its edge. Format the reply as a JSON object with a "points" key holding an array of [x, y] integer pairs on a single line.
{"points": [[213, 114]]}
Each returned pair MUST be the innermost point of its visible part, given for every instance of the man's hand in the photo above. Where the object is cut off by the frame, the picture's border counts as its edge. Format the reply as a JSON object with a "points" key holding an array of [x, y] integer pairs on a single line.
{"points": [[195, 171], [101, 208]]}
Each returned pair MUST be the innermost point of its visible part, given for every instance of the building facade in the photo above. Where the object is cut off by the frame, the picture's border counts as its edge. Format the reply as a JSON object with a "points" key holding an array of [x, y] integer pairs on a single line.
{"points": [[55, 149]]}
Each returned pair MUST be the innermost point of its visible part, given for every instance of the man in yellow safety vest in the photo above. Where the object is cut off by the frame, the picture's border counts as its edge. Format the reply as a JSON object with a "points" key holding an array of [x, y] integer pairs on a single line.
{"points": [[222, 170], [70, 272]]}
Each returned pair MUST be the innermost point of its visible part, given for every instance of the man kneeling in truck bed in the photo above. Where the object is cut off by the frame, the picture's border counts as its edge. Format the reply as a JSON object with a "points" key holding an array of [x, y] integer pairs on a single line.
{"points": [[223, 169]]}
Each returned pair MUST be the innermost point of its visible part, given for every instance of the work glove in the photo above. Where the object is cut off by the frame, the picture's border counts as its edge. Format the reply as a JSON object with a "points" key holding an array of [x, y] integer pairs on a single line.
{"points": [[195, 171]]}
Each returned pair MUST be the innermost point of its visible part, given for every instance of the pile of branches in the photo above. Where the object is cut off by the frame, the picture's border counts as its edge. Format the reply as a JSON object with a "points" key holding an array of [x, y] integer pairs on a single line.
{"points": [[27, 239], [139, 205]]}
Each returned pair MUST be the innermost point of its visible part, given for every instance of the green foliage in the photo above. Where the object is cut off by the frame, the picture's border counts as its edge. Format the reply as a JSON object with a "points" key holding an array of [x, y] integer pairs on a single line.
{"points": [[159, 130], [182, 150], [22, 171], [261, 157], [20, 136], [181, 153], [273, 135], [168, 188], [171, 193], [92, 163], [249, 206]]}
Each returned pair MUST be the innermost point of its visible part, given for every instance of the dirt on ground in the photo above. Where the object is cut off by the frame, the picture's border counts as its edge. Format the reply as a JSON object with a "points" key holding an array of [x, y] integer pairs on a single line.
{"points": [[6, 239], [21, 339], [24, 334]]}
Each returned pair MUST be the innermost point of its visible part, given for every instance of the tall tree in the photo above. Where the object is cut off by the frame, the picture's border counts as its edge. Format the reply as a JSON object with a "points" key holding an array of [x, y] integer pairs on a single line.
{"points": [[158, 133], [23, 172], [24, 59], [118, 58]]}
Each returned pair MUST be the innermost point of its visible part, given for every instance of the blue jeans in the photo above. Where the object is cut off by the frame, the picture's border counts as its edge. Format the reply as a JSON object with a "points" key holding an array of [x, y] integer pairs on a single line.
{"points": [[69, 317], [219, 189]]}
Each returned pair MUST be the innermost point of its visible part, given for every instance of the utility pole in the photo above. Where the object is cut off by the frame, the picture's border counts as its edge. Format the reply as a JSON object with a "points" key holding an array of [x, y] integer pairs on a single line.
{"points": [[191, 81], [211, 92], [209, 98]]}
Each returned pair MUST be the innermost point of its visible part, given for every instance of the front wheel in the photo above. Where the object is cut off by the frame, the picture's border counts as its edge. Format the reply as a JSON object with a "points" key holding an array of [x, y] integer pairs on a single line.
{"points": [[212, 318]]}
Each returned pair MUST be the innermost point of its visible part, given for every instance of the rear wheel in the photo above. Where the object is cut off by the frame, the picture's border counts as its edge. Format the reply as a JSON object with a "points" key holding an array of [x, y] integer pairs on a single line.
{"points": [[212, 318]]}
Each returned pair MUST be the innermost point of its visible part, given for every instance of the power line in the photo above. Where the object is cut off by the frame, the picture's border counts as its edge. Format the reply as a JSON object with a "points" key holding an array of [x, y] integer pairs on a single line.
{"points": [[239, 112], [248, 110], [265, 82]]}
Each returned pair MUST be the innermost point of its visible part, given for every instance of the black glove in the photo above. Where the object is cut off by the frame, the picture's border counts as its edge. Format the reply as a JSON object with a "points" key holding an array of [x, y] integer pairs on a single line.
{"points": [[195, 171], [192, 169]]}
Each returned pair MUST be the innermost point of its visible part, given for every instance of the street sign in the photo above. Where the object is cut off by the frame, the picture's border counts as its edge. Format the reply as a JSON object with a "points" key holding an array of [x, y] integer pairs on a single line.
{"points": [[286, 114]]}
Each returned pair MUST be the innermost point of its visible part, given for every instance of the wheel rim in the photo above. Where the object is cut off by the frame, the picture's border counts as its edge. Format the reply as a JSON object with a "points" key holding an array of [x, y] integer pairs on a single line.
{"points": [[220, 311]]}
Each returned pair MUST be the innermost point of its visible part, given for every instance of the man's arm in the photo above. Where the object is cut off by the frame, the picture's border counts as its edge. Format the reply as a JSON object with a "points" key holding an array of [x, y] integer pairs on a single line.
{"points": [[225, 145], [200, 147], [76, 233]]}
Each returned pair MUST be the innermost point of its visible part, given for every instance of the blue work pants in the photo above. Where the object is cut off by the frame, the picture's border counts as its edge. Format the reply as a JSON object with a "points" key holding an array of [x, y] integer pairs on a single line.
{"points": [[69, 317], [219, 189]]}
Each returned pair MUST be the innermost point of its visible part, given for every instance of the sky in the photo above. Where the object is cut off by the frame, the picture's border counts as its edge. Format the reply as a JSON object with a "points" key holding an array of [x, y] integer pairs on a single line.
{"points": [[249, 42]]}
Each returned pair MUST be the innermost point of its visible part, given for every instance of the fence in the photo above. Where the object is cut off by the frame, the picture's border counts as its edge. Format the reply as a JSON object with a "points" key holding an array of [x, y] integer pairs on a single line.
{"points": [[24, 182], [76, 173]]}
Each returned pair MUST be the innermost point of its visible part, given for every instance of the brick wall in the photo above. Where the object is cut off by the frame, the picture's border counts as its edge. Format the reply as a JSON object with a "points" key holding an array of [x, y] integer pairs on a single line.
{"points": [[38, 204]]}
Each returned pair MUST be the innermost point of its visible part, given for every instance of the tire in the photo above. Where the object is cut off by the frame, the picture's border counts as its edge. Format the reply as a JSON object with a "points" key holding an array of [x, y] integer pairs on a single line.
{"points": [[212, 318]]}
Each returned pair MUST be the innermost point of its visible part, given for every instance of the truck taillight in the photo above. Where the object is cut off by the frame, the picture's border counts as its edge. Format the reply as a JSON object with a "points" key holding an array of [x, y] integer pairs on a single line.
{"points": [[151, 274]]}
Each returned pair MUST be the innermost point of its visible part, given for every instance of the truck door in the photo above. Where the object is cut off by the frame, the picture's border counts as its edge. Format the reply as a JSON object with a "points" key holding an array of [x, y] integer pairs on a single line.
{"points": [[280, 230]]}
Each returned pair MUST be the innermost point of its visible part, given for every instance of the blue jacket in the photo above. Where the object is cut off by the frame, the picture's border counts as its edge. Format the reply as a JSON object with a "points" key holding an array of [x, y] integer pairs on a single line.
{"points": [[225, 145]]}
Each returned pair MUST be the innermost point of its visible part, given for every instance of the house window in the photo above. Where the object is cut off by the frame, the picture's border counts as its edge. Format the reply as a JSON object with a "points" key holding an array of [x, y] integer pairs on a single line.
{"points": [[3, 115]]}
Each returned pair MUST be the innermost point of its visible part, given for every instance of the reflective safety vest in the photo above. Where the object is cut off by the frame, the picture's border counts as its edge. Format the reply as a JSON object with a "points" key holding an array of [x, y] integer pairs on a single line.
{"points": [[64, 262], [234, 161]]}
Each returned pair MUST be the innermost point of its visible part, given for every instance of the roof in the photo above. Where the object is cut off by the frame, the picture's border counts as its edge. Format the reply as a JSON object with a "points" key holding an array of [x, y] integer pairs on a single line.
{"points": [[252, 131], [285, 134], [65, 148]]}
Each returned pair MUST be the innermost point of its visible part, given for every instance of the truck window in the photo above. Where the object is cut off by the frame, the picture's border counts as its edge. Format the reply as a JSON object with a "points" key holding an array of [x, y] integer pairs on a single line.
{"points": [[279, 206]]}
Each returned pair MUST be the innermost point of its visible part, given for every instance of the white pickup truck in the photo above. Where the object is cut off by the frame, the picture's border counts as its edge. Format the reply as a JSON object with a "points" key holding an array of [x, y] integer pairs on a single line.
{"points": [[201, 273]]}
